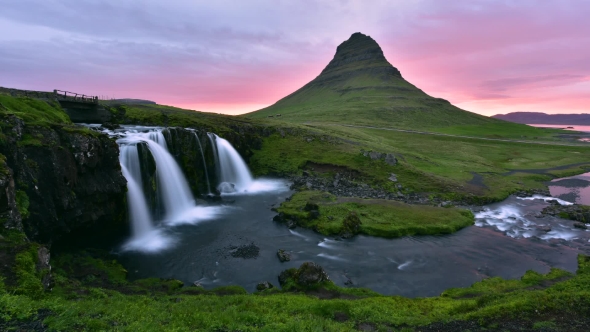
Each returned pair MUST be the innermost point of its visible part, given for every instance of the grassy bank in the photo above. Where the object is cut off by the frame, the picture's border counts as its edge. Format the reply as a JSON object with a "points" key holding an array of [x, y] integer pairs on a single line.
{"points": [[376, 217], [83, 300]]}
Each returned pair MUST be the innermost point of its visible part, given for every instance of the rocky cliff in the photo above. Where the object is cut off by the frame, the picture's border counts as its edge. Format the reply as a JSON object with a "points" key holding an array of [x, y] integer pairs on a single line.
{"points": [[57, 179]]}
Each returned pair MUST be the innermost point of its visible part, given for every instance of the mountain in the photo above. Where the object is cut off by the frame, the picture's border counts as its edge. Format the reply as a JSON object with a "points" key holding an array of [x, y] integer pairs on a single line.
{"points": [[543, 118], [359, 86]]}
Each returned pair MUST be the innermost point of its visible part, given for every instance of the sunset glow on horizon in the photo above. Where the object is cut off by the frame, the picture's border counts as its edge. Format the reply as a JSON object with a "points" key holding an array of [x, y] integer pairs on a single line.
{"points": [[232, 57]]}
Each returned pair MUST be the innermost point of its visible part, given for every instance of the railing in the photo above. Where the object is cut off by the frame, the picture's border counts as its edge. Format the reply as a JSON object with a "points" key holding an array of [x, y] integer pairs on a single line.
{"points": [[72, 96]]}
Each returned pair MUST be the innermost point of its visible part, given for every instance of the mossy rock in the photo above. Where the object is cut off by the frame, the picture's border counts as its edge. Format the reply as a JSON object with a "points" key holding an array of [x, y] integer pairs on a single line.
{"points": [[351, 225], [308, 276]]}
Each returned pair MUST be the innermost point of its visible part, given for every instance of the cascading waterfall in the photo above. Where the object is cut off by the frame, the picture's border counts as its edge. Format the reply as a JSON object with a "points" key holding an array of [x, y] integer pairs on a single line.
{"points": [[204, 163], [172, 188], [234, 175], [141, 221]]}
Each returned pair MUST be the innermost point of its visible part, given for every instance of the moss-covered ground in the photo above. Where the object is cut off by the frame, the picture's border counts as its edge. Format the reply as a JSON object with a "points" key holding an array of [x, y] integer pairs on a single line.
{"points": [[378, 217]]}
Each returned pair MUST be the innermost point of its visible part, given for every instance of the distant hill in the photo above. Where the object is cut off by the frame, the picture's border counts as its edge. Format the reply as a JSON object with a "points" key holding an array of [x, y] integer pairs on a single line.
{"points": [[359, 86], [543, 118]]}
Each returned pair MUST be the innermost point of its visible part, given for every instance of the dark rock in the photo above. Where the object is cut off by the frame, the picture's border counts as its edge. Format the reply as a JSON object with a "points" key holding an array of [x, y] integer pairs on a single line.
{"points": [[246, 251], [314, 214], [310, 274], [580, 225], [71, 181], [309, 206], [283, 255], [264, 286], [544, 228], [44, 268], [351, 225]]}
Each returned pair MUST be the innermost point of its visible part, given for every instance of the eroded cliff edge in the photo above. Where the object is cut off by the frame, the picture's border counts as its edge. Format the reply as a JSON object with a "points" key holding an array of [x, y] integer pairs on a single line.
{"points": [[55, 179]]}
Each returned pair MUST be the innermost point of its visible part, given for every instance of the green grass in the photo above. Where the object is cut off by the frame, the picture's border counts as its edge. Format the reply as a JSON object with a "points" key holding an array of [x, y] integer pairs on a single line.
{"points": [[168, 116], [436, 165], [32, 111], [533, 299], [381, 218]]}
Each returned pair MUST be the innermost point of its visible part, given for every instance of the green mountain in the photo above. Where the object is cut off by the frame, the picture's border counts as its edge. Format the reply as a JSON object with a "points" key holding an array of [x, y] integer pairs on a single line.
{"points": [[359, 86]]}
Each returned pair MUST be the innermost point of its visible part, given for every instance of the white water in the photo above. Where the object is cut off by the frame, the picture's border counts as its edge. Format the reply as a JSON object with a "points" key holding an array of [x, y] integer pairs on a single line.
{"points": [[512, 220], [141, 221], [175, 192], [232, 168], [144, 236]]}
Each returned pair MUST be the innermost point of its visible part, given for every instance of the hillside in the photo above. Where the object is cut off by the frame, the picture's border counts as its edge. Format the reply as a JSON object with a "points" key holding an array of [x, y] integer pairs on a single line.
{"points": [[543, 118], [359, 86]]}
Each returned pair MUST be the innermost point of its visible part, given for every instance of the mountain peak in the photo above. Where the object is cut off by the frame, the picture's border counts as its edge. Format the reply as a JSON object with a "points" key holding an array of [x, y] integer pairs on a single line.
{"points": [[359, 50]]}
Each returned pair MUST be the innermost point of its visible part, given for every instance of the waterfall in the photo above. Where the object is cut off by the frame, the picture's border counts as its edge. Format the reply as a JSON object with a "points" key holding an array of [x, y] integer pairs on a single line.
{"points": [[141, 221], [234, 175], [204, 163], [172, 189]]}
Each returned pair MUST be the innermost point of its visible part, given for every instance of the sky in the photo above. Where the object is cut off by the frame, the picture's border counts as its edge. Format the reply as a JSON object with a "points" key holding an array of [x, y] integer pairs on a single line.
{"points": [[485, 56]]}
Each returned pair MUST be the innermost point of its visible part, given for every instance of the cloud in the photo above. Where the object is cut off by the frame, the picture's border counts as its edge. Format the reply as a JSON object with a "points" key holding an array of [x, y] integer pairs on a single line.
{"points": [[241, 55]]}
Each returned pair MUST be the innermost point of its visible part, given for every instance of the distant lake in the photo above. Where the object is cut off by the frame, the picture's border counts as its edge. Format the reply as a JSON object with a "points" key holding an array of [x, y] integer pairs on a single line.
{"points": [[566, 127]]}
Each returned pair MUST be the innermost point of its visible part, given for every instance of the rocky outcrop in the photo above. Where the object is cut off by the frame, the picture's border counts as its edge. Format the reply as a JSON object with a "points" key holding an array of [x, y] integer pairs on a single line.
{"points": [[351, 225], [283, 255], [389, 158], [579, 213], [308, 275], [56, 179]]}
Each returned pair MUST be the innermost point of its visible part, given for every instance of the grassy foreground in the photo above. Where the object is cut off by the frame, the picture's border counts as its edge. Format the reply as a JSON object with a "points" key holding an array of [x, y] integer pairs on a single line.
{"points": [[376, 217], [91, 294]]}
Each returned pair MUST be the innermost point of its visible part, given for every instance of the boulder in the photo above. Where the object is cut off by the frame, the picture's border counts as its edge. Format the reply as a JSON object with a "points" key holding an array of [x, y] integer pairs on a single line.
{"points": [[580, 225], [351, 225], [308, 275], [283, 255]]}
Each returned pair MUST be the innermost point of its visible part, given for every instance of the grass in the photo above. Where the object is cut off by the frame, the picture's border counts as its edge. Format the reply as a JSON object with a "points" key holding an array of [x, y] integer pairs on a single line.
{"points": [[533, 299], [432, 165], [381, 218], [32, 111]]}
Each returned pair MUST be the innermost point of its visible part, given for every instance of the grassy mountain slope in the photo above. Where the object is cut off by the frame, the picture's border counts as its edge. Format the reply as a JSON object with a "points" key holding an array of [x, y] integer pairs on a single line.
{"points": [[360, 87]]}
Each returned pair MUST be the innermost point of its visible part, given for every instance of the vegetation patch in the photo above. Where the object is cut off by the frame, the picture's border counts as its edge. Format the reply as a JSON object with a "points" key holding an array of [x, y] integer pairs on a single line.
{"points": [[34, 112], [344, 216]]}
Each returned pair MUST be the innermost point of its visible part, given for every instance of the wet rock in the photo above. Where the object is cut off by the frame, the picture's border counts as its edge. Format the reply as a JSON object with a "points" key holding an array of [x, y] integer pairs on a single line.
{"points": [[246, 251], [264, 286], [283, 255], [544, 228], [44, 268], [580, 225], [305, 173], [310, 273]]}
